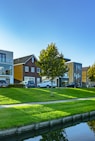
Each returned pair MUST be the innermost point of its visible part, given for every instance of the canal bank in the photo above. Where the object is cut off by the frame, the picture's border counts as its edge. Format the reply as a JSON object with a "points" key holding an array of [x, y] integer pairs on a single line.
{"points": [[21, 133]]}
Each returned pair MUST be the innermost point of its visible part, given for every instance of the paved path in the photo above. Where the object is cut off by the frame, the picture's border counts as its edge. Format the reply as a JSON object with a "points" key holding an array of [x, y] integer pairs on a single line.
{"points": [[48, 102]]}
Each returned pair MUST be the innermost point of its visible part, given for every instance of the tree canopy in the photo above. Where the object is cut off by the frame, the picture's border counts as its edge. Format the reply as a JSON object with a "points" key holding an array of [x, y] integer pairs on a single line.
{"points": [[51, 62], [91, 72]]}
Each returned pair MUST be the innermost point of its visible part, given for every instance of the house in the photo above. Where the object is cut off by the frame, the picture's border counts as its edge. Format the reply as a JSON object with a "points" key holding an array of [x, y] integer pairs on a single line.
{"points": [[6, 66], [85, 80], [25, 69], [75, 72]]}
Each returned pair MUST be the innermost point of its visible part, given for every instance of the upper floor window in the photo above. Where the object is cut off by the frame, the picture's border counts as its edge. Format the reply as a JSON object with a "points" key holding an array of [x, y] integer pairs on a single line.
{"points": [[38, 70], [2, 57], [26, 69], [32, 69], [32, 59]]}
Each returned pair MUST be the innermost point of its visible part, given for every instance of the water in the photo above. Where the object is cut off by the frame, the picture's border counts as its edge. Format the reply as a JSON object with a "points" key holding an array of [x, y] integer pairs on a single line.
{"points": [[79, 132]]}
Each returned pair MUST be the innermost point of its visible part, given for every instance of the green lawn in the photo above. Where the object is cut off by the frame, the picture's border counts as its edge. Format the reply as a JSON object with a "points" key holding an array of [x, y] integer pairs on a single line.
{"points": [[24, 115], [19, 116], [21, 95]]}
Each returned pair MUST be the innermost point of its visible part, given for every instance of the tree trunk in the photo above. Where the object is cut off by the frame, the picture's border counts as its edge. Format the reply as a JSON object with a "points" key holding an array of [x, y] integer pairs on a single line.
{"points": [[51, 89]]}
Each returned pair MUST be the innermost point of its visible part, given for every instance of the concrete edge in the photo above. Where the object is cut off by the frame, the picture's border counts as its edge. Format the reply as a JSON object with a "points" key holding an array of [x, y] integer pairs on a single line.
{"points": [[40, 127]]}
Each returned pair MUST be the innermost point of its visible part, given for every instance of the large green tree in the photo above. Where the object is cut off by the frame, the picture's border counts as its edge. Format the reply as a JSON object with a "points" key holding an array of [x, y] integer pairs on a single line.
{"points": [[91, 72], [51, 62]]}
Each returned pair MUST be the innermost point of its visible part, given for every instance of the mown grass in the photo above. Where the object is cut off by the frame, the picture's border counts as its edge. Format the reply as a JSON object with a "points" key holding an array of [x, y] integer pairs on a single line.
{"points": [[22, 95], [24, 115]]}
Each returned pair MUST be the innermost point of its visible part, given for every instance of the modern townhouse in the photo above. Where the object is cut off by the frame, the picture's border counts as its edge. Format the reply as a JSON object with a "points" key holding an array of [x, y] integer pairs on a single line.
{"points": [[25, 69], [85, 79], [75, 72], [6, 66]]}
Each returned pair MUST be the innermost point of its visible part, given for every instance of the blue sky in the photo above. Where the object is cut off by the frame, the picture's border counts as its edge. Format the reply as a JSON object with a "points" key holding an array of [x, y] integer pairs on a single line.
{"points": [[28, 26]]}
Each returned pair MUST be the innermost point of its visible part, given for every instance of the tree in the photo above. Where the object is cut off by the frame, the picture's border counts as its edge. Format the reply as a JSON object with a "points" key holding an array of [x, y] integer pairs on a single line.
{"points": [[51, 62], [91, 72], [57, 135]]}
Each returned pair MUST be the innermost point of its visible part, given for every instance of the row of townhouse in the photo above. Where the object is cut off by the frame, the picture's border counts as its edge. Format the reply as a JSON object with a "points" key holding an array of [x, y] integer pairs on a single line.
{"points": [[25, 68]]}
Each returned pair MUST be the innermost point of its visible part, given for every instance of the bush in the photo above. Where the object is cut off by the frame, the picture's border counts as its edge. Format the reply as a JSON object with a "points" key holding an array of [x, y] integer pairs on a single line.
{"points": [[16, 85]]}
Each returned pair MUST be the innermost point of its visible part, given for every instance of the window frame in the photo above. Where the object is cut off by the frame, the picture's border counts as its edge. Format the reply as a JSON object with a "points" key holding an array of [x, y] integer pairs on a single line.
{"points": [[32, 59], [38, 70], [26, 68], [32, 69]]}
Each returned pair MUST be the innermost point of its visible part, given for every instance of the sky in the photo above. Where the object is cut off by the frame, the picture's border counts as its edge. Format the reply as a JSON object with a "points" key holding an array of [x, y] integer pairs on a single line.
{"points": [[28, 26]]}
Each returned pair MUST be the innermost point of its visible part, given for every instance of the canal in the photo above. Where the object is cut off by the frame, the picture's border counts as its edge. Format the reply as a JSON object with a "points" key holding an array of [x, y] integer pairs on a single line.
{"points": [[79, 132]]}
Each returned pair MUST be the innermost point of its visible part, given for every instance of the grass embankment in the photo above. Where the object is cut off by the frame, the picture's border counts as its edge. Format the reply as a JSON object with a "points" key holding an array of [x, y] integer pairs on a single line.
{"points": [[22, 95], [19, 116]]}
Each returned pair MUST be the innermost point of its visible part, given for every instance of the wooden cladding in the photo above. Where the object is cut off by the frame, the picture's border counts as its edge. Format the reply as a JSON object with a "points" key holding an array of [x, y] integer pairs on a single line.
{"points": [[18, 72]]}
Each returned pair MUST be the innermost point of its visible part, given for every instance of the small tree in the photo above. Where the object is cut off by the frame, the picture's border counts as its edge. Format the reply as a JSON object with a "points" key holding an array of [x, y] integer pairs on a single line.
{"points": [[91, 72], [51, 62]]}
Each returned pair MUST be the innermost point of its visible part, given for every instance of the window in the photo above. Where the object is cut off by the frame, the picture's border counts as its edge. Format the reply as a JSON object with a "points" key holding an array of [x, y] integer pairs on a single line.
{"points": [[38, 70], [32, 69], [38, 80], [2, 57], [5, 69], [26, 69], [26, 78], [32, 59]]}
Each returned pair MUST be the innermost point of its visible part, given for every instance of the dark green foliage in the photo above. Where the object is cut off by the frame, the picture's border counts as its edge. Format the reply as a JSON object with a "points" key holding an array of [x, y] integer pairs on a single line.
{"points": [[16, 86], [91, 72], [51, 62]]}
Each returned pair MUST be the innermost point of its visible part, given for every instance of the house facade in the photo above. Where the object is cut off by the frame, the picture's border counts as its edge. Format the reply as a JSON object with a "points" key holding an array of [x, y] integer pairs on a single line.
{"points": [[85, 80], [75, 72], [25, 69], [6, 66]]}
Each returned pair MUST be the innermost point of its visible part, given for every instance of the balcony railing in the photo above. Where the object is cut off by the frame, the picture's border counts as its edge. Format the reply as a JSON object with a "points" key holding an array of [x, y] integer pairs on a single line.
{"points": [[7, 61]]}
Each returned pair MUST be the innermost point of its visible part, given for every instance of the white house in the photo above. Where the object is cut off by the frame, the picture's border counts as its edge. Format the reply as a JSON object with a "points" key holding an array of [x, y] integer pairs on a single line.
{"points": [[6, 66]]}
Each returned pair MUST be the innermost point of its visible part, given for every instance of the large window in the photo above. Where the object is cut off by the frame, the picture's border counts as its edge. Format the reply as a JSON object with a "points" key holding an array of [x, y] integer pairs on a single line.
{"points": [[77, 73], [2, 57], [27, 78], [5, 69]]}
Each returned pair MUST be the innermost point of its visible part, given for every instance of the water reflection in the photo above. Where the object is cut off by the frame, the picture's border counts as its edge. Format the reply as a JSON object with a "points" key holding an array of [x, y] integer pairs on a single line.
{"points": [[82, 132], [91, 125], [59, 135]]}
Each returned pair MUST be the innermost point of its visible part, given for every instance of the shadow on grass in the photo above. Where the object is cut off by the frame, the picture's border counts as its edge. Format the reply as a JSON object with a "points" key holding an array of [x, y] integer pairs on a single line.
{"points": [[19, 116], [23, 95]]}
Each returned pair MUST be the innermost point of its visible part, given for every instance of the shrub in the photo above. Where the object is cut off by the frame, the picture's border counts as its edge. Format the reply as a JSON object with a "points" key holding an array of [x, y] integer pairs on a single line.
{"points": [[16, 85]]}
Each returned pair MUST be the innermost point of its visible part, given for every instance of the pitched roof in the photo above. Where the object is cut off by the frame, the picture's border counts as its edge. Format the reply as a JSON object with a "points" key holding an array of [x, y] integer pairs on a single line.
{"points": [[22, 60]]}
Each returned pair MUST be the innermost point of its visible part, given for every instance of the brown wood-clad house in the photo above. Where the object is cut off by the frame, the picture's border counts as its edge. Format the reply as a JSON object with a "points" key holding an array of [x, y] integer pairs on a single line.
{"points": [[85, 79], [26, 69]]}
